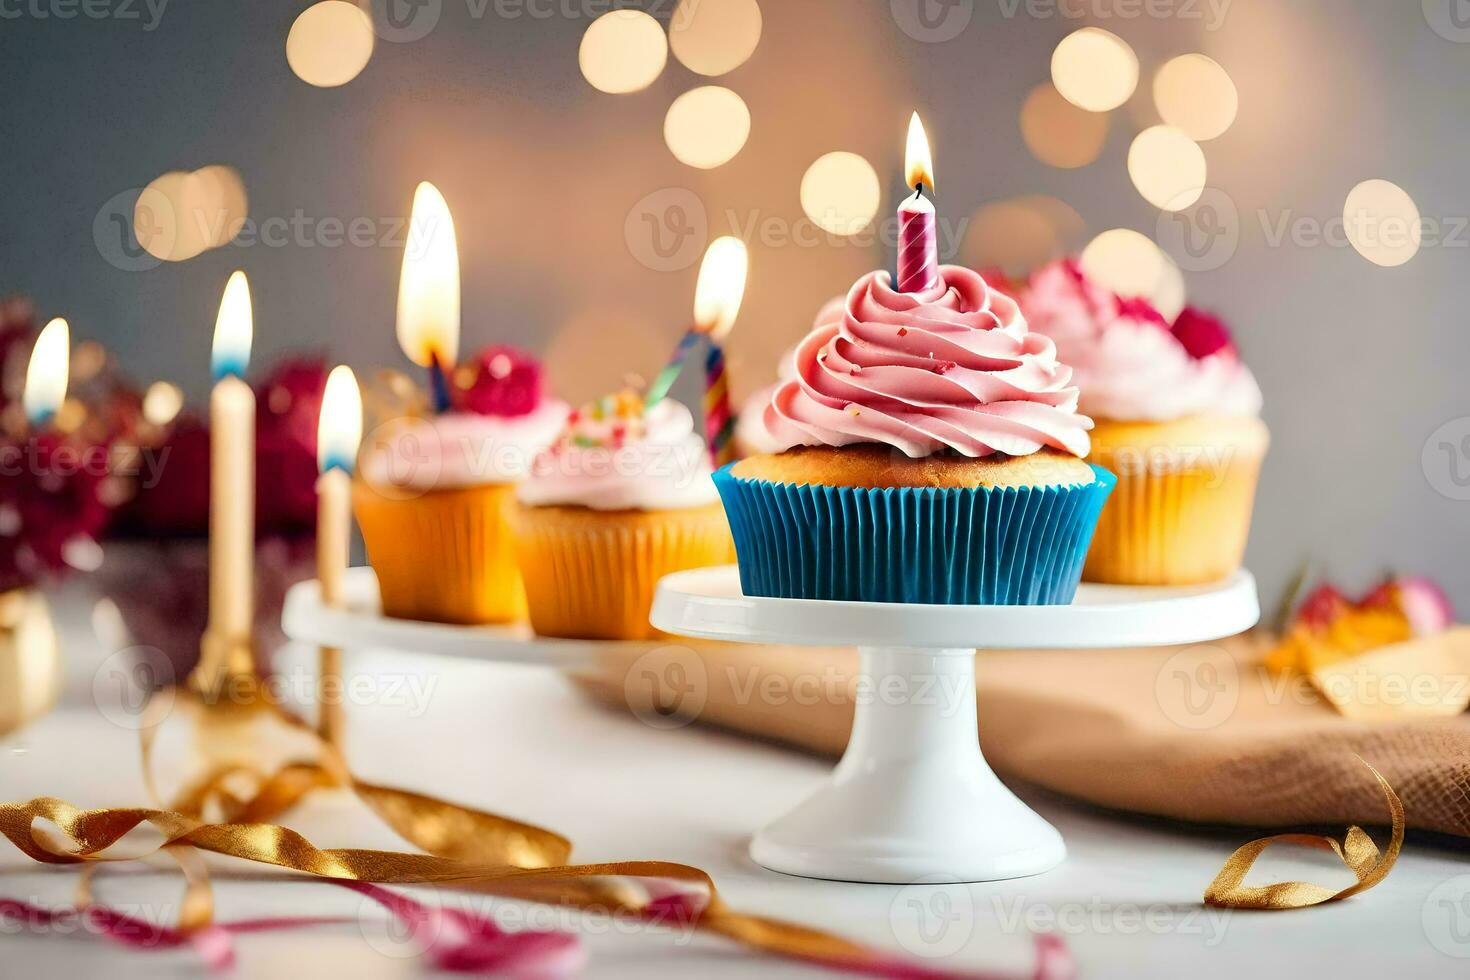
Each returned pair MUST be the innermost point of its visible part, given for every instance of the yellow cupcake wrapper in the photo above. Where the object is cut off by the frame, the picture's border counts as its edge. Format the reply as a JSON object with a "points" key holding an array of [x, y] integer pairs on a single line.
{"points": [[592, 574], [447, 555], [1181, 512]]}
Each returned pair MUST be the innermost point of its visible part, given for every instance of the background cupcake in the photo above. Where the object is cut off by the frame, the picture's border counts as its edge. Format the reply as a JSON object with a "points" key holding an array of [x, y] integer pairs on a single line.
{"points": [[932, 453], [1177, 420], [622, 499], [433, 494]]}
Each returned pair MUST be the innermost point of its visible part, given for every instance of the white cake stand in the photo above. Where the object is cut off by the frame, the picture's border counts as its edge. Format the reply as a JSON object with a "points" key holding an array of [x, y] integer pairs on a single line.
{"points": [[360, 625], [913, 797]]}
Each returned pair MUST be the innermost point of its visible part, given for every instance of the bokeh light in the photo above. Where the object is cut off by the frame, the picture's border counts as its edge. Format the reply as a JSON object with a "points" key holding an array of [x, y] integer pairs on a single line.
{"points": [[1167, 167], [182, 213], [1196, 95], [1057, 132], [1094, 69], [599, 350], [711, 37], [330, 43], [623, 51], [707, 126], [1018, 234], [841, 193], [1126, 262], [1169, 296], [1383, 223], [162, 403]]}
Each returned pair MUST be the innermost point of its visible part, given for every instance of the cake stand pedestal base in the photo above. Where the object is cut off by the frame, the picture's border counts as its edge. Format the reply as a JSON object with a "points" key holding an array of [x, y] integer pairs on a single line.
{"points": [[913, 797]]}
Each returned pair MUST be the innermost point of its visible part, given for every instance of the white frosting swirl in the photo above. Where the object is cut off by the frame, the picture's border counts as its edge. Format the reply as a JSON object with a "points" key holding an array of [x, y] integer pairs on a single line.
{"points": [[661, 464]]}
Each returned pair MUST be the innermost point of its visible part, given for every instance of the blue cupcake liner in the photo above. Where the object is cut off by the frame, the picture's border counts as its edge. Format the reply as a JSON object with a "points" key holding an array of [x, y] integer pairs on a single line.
{"points": [[1009, 546]]}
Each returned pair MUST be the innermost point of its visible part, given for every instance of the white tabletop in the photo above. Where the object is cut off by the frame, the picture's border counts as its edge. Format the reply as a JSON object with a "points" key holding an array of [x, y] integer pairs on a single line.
{"points": [[521, 741]]}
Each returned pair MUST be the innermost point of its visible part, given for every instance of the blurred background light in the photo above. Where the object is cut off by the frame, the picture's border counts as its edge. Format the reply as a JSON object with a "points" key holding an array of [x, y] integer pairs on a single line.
{"points": [[1382, 222], [593, 351], [182, 213], [1196, 95], [623, 51], [330, 43], [711, 37], [840, 192], [162, 403], [1126, 262], [1059, 133], [705, 127], [1167, 167], [1018, 234], [1094, 69]]}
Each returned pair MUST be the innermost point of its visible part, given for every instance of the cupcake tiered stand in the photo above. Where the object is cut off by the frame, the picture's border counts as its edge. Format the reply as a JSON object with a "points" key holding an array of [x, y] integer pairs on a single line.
{"points": [[913, 796]]}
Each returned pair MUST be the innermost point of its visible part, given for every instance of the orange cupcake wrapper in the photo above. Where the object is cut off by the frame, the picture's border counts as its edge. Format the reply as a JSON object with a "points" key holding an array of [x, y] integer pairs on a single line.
{"points": [[592, 574], [1173, 522], [447, 556]]}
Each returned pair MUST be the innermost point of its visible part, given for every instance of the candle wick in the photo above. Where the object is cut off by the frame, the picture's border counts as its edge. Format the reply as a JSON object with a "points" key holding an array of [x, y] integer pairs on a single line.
{"points": [[918, 190]]}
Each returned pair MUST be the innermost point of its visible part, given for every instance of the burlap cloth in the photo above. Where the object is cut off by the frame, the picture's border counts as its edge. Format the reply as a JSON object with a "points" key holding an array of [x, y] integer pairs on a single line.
{"points": [[1196, 733]]}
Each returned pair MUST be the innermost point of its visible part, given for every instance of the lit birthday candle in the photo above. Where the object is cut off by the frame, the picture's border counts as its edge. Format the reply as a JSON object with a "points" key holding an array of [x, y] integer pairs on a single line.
{"points": [[428, 292], [225, 652], [339, 432], [722, 271], [918, 245], [717, 299], [46, 374]]}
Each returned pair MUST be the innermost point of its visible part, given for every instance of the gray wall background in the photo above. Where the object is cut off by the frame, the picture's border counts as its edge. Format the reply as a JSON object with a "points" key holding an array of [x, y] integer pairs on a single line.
{"points": [[1360, 365]]}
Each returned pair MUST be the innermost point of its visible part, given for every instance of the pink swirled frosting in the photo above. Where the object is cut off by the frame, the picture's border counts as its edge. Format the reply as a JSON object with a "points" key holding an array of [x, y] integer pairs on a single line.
{"points": [[1131, 366], [952, 369]]}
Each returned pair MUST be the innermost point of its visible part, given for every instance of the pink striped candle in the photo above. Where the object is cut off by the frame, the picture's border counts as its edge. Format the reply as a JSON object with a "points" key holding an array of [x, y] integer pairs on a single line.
{"points": [[918, 244]]}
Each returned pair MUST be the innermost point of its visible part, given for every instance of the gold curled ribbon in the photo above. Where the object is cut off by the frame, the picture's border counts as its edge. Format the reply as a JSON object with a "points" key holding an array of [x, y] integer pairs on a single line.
{"points": [[1356, 850], [467, 850]]}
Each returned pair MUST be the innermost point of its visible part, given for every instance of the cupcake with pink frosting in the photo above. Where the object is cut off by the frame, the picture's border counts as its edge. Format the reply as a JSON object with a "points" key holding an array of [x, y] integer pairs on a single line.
{"points": [[929, 449], [1178, 421], [433, 493], [622, 498]]}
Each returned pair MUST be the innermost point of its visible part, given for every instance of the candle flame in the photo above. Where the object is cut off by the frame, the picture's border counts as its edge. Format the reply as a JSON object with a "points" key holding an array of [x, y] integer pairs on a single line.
{"points": [[46, 375], [918, 163], [339, 428], [721, 287], [428, 290], [233, 330]]}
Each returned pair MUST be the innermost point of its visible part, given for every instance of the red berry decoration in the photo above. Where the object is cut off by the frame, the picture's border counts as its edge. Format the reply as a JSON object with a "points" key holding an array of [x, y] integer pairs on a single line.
{"points": [[1202, 334], [505, 381]]}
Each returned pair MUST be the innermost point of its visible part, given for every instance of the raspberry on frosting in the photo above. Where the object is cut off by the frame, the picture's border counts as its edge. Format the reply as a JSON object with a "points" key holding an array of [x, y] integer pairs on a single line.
{"points": [[501, 380], [1202, 334]]}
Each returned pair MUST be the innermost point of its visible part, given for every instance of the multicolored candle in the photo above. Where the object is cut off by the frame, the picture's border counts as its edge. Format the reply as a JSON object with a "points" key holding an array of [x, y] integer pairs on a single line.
{"points": [[717, 297], [918, 244]]}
